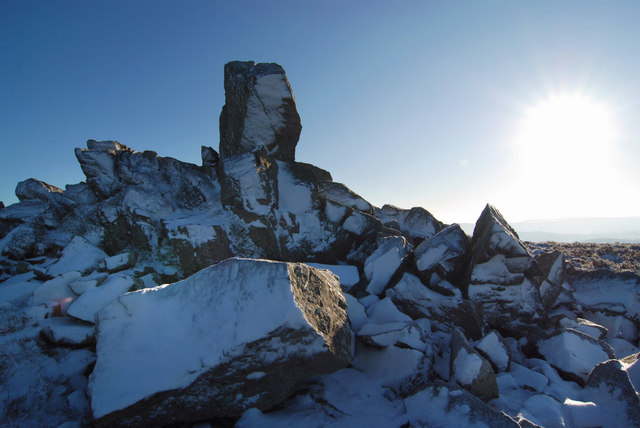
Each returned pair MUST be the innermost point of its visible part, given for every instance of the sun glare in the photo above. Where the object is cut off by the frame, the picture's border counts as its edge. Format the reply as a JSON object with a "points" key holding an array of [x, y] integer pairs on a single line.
{"points": [[569, 129], [565, 155]]}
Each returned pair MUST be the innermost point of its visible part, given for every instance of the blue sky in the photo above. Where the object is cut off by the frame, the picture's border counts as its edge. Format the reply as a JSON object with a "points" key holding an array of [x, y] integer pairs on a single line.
{"points": [[413, 103]]}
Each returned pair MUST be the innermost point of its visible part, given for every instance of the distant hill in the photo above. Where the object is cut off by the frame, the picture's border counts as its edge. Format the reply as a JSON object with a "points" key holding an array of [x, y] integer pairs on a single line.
{"points": [[599, 230]]}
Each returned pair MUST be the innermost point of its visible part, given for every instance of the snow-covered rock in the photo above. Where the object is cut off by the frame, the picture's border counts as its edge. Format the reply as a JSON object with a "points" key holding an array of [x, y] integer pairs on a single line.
{"points": [[470, 369], [574, 353], [585, 326], [66, 332], [418, 301], [80, 255], [609, 385], [55, 291], [417, 223], [35, 189], [493, 348], [392, 253], [442, 254], [499, 275], [259, 111], [90, 302], [119, 262], [274, 324]]}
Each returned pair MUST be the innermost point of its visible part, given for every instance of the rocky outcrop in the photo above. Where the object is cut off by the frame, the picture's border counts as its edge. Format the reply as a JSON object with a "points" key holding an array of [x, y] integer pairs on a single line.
{"points": [[499, 275], [275, 324], [259, 112], [470, 369]]}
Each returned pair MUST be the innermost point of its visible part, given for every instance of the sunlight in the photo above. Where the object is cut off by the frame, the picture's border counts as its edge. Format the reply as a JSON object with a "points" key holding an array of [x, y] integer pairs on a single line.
{"points": [[565, 158], [570, 130]]}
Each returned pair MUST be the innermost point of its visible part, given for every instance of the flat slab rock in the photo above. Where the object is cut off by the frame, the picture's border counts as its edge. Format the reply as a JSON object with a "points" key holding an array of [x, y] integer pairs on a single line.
{"points": [[238, 334]]}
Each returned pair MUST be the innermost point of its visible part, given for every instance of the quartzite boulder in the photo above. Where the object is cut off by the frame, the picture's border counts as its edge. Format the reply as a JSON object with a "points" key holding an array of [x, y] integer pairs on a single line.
{"points": [[259, 111], [235, 335]]}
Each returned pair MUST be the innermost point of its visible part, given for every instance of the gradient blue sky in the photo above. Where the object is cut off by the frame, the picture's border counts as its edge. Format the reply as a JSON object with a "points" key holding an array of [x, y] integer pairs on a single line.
{"points": [[414, 103]]}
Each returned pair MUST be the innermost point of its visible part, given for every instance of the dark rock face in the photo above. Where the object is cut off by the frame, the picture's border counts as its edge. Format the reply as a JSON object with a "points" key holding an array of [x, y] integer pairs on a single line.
{"points": [[259, 111], [35, 189]]}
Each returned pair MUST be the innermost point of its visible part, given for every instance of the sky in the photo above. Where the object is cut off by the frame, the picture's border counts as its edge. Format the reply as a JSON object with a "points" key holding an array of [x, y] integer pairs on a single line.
{"points": [[447, 105]]}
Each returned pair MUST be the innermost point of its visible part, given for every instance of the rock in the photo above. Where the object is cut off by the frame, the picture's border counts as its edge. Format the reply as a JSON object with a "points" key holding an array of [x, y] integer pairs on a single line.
{"points": [[259, 111], [379, 268], [210, 157], [55, 291], [499, 276], [553, 278], [573, 353], [443, 254], [36, 189], [632, 367], [347, 274], [275, 324], [609, 386], [98, 164], [416, 300], [470, 370], [495, 350], [18, 289], [417, 223], [338, 192]]}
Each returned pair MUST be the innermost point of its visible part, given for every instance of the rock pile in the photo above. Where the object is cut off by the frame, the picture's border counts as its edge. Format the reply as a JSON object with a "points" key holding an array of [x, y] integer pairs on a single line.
{"points": [[254, 289]]}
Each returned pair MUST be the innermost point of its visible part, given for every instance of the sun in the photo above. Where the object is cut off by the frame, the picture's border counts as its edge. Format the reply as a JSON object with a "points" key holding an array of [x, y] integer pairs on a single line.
{"points": [[571, 130], [565, 157]]}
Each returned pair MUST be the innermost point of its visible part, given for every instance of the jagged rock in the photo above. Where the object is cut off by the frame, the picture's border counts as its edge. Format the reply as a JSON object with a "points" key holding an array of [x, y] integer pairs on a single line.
{"points": [[98, 164], [379, 268], [387, 326], [470, 369], [553, 283], [417, 223], [36, 189], [210, 157], [347, 274], [275, 324], [338, 192], [495, 350], [499, 275], [631, 365], [610, 382], [443, 254], [259, 111], [416, 300], [573, 353]]}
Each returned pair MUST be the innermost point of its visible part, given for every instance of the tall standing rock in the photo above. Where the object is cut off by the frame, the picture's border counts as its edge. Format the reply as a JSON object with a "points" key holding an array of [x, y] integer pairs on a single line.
{"points": [[259, 111]]}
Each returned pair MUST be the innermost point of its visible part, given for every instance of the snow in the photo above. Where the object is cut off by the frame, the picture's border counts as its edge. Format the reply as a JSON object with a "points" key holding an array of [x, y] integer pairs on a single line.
{"points": [[159, 338], [79, 255], [384, 311], [495, 350], [56, 290], [583, 414], [118, 262], [94, 299], [18, 289], [572, 353], [355, 311], [430, 257], [466, 367], [67, 332]]}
